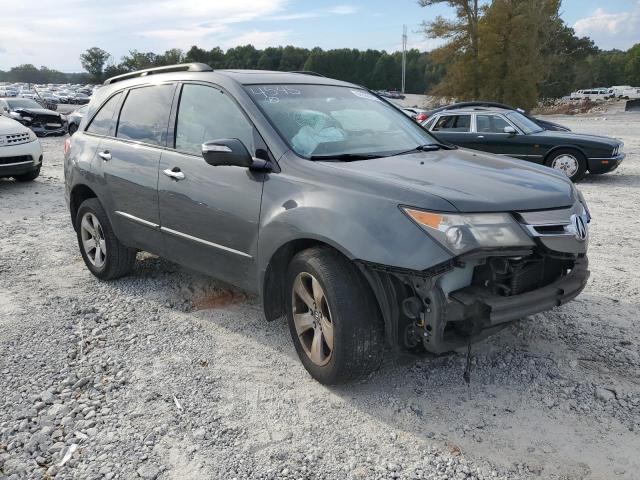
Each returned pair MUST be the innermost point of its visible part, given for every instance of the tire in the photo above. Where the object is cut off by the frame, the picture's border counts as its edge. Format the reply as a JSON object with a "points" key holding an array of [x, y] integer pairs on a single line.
{"points": [[114, 260], [348, 307], [73, 128], [29, 176], [570, 162]]}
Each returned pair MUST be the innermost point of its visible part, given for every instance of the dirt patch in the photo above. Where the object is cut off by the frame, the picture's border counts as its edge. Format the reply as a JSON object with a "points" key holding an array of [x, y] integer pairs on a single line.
{"points": [[217, 299]]}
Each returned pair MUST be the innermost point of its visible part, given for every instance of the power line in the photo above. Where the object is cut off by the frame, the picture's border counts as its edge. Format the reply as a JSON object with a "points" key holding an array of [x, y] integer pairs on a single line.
{"points": [[404, 55]]}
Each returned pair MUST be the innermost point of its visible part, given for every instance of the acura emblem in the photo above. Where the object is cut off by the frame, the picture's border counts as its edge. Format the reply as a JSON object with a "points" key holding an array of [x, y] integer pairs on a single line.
{"points": [[579, 228]]}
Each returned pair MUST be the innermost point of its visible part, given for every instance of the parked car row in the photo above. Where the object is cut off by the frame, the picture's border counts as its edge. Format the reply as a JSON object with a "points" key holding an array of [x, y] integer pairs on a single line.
{"points": [[626, 92], [51, 94]]}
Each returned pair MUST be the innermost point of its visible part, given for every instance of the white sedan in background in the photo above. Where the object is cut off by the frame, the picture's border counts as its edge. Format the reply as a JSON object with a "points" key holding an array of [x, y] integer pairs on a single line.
{"points": [[20, 151]]}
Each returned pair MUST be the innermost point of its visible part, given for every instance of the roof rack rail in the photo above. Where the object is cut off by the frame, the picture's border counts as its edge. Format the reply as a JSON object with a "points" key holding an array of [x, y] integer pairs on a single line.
{"points": [[182, 67], [308, 72]]}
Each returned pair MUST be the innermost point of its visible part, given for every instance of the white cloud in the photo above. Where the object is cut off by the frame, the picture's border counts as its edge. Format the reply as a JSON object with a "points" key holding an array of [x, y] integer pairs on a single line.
{"points": [[55, 33], [259, 39], [343, 10], [611, 30]]}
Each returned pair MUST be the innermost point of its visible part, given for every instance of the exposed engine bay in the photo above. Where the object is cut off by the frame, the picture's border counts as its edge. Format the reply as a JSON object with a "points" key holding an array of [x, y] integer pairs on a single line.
{"points": [[472, 297]]}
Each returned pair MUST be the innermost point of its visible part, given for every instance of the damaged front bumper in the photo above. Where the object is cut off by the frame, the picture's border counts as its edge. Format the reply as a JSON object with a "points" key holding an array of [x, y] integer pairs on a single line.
{"points": [[472, 297]]}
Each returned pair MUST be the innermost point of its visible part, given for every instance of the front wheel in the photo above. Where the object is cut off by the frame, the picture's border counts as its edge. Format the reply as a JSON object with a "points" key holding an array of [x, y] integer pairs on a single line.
{"points": [[570, 162], [333, 317], [103, 254]]}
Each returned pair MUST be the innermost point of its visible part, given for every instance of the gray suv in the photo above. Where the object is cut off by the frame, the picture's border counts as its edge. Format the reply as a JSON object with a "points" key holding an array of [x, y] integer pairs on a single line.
{"points": [[342, 213]]}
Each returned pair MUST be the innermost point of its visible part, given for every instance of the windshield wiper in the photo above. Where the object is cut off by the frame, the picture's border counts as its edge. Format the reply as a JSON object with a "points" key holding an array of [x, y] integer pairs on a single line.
{"points": [[346, 157], [428, 147]]}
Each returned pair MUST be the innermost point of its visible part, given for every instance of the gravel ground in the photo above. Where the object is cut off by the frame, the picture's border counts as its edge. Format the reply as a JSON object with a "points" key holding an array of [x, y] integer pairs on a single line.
{"points": [[168, 374]]}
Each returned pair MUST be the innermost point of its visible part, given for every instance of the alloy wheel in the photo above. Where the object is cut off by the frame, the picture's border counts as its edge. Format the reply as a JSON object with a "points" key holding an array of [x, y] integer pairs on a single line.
{"points": [[312, 318], [567, 164], [93, 242]]}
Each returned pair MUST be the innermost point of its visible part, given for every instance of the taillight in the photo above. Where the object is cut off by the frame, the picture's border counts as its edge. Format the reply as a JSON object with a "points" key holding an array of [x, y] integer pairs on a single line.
{"points": [[67, 145], [421, 117]]}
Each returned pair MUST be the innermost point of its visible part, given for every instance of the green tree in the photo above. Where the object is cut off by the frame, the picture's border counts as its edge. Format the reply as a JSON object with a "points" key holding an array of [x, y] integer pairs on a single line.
{"points": [[293, 58], [510, 31], [462, 47], [386, 73], [270, 58], [138, 60], [196, 54], [173, 56], [632, 65], [244, 56], [93, 61]]}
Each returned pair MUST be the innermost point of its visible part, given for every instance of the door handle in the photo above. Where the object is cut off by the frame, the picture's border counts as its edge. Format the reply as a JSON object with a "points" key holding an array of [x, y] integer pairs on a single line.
{"points": [[174, 173], [105, 155], [480, 136]]}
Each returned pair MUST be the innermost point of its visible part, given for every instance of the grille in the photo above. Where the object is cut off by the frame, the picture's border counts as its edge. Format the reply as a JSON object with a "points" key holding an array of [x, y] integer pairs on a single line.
{"points": [[14, 139], [15, 159]]}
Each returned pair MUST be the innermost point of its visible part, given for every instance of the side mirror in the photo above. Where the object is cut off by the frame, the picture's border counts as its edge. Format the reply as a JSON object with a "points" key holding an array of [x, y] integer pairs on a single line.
{"points": [[226, 151], [510, 130]]}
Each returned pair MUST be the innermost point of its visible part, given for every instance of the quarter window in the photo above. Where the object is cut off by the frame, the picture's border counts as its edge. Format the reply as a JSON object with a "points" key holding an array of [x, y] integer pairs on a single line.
{"points": [[453, 123], [104, 122], [206, 114], [145, 114], [490, 124]]}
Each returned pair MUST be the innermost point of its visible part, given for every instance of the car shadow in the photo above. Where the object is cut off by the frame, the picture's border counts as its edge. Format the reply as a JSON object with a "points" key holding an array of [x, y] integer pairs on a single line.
{"points": [[618, 180]]}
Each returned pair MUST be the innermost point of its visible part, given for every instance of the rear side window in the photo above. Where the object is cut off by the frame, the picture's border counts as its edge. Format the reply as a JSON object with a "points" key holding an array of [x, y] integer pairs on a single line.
{"points": [[206, 114], [145, 114], [104, 121], [453, 123]]}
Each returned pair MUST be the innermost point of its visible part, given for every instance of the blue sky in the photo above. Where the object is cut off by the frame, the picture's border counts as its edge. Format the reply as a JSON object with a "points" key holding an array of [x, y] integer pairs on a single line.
{"points": [[60, 30]]}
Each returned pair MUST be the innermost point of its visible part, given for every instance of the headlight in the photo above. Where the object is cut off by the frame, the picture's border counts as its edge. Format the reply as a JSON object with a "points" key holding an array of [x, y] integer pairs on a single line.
{"points": [[584, 204], [463, 232], [32, 136]]}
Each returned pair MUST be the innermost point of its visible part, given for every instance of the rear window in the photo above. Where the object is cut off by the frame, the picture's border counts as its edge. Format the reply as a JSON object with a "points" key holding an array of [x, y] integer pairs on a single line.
{"points": [[104, 122], [145, 114], [453, 123]]}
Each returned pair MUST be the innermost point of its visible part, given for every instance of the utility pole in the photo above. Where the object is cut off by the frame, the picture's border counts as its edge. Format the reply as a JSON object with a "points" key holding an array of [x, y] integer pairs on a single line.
{"points": [[404, 55]]}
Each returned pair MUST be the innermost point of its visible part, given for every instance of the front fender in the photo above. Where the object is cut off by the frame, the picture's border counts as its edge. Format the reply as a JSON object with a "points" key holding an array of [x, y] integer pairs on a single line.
{"points": [[362, 225]]}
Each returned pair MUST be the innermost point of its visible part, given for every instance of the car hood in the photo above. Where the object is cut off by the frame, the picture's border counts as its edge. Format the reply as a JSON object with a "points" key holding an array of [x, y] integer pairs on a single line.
{"points": [[579, 137], [471, 181], [10, 126], [36, 111]]}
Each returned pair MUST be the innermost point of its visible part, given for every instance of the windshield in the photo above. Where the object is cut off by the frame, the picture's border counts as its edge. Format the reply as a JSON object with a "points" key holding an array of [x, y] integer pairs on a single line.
{"points": [[523, 123], [327, 121], [23, 103]]}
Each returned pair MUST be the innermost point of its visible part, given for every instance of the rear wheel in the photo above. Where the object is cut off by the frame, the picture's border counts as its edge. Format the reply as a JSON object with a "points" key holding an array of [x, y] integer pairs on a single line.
{"points": [[103, 254], [28, 177], [570, 162], [333, 317]]}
